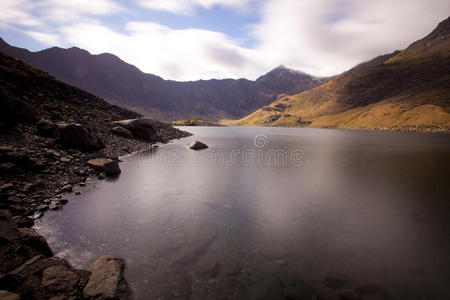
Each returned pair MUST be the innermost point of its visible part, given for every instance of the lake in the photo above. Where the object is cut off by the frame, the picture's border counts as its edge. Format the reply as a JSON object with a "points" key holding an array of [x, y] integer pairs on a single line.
{"points": [[270, 213]]}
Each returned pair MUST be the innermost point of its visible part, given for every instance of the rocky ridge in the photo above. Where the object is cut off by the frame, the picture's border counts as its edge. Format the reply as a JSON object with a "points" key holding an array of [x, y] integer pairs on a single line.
{"points": [[53, 137]]}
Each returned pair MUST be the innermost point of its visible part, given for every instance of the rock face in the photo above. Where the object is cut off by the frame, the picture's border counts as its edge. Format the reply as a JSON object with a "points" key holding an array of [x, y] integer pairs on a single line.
{"points": [[120, 131], [106, 281], [78, 136], [142, 128], [196, 145], [109, 166]]}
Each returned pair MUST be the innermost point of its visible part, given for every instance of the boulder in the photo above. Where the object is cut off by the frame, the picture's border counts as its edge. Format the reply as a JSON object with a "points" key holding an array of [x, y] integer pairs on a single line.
{"points": [[59, 279], [142, 128], [106, 281], [14, 110], [120, 131], [109, 166], [196, 145], [78, 136], [47, 128]]}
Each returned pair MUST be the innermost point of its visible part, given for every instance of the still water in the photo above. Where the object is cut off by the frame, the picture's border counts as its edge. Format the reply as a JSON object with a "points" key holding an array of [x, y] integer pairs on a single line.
{"points": [[270, 213]]}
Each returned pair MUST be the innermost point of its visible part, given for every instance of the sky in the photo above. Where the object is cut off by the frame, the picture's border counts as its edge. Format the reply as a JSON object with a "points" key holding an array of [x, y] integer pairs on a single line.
{"points": [[203, 39]]}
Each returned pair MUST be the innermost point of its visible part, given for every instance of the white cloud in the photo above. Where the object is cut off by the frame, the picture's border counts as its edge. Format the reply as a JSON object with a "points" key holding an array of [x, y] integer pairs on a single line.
{"points": [[187, 7], [174, 54], [46, 39], [17, 12], [326, 37], [321, 37]]}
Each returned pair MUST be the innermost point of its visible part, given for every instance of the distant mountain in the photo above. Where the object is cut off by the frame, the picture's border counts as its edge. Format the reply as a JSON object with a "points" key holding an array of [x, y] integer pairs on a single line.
{"points": [[109, 77], [407, 89]]}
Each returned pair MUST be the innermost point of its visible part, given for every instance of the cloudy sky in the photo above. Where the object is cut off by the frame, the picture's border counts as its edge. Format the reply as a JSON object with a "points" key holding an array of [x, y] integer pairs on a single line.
{"points": [[202, 39]]}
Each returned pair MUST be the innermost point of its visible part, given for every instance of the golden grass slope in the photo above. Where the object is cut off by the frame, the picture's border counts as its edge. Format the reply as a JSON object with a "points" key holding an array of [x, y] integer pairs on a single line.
{"points": [[405, 90]]}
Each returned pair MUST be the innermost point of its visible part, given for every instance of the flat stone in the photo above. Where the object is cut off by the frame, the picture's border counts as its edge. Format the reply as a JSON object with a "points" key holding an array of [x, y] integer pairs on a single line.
{"points": [[107, 165]]}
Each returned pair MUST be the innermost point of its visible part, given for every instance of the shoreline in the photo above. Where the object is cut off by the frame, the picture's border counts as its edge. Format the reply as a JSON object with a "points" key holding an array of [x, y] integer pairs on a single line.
{"points": [[44, 172]]}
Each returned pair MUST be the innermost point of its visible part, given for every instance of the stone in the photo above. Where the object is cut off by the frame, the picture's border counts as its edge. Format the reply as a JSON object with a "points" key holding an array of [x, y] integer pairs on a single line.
{"points": [[78, 136], [106, 281], [59, 279], [67, 188], [120, 131], [5, 295], [196, 145], [107, 165], [143, 128], [47, 128]]}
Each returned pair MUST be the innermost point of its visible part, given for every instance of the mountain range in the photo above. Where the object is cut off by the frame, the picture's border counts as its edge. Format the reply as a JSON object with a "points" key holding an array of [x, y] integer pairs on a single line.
{"points": [[107, 76], [407, 89]]}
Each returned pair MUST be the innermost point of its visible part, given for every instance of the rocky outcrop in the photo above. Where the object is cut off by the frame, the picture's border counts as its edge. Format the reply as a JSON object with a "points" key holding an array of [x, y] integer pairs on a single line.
{"points": [[79, 136], [196, 145], [108, 166], [106, 281]]}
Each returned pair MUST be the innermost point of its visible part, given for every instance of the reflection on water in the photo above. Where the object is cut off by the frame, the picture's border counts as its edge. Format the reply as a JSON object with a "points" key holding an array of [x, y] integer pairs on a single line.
{"points": [[370, 208]]}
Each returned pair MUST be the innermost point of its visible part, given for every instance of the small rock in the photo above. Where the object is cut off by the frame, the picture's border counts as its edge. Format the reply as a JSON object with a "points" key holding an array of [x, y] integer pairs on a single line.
{"points": [[196, 145], [109, 166], [66, 188], [5, 295], [47, 128]]}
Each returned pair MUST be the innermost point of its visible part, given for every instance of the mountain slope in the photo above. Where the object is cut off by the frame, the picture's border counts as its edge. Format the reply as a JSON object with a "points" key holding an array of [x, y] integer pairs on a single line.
{"points": [[107, 76], [403, 89]]}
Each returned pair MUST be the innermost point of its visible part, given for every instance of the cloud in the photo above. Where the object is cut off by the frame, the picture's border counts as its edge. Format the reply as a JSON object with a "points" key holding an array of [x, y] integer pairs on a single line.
{"points": [[320, 37], [325, 37], [17, 12], [187, 7], [44, 38], [181, 54]]}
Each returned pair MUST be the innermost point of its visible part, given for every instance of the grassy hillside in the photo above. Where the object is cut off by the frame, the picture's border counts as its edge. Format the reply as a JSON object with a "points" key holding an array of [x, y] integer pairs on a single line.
{"points": [[407, 89]]}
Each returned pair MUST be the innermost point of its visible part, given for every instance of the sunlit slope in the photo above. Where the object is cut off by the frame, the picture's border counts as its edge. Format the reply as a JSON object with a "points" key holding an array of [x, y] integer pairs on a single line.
{"points": [[410, 88]]}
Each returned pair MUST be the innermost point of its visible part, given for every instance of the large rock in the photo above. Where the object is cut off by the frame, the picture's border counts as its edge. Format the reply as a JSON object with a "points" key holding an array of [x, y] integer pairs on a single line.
{"points": [[59, 279], [106, 281], [47, 128], [120, 131], [14, 110], [78, 136], [196, 145], [109, 166], [143, 128]]}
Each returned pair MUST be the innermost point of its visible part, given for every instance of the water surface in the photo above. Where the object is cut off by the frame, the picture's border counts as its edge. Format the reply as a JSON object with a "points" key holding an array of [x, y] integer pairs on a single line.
{"points": [[266, 208]]}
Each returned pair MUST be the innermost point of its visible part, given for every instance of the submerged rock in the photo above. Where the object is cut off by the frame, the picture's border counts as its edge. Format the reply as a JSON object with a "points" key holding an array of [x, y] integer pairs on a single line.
{"points": [[107, 165], [78, 136], [196, 145], [107, 281]]}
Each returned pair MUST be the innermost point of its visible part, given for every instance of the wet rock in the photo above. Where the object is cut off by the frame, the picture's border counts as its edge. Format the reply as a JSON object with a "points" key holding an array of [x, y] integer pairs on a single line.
{"points": [[78, 136], [120, 131], [196, 145], [106, 281], [107, 165], [59, 279], [143, 128], [5, 295]]}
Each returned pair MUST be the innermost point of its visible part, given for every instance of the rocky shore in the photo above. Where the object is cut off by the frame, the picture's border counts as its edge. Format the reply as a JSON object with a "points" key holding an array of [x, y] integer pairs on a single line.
{"points": [[53, 137]]}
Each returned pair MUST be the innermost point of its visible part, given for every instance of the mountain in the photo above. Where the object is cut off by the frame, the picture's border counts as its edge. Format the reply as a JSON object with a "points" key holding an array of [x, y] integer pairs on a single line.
{"points": [[107, 76], [407, 89]]}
